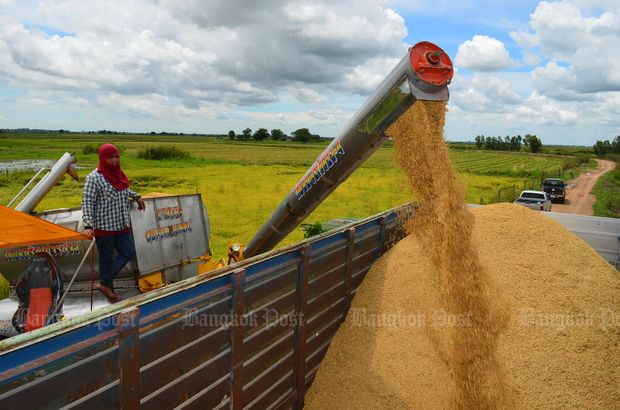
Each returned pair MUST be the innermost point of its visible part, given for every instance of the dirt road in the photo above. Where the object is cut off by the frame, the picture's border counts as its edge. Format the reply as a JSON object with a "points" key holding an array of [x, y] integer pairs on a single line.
{"points": [[579, 199]]}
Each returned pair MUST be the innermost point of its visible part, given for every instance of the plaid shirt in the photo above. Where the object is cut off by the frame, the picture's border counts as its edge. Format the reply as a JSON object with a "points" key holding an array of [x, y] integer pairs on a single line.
{"points": [[103, 206]]}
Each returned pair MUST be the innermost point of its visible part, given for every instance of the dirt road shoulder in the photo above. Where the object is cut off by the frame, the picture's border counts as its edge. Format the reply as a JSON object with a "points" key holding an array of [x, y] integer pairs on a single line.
{"points": [[579, 198]]}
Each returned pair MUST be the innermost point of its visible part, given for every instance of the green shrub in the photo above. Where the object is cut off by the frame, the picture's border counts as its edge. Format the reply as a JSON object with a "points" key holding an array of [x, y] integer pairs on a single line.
{"points": [[311, 230], [162, 152], [607, 193]]}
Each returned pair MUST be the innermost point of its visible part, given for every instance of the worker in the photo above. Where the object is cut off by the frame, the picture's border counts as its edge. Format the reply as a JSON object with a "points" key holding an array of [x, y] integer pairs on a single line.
{"points": [[105, 207]]}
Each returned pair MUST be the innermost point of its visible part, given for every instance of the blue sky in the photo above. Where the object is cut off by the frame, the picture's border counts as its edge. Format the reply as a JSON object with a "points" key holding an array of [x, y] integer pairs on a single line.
{"points": [[206, 66]]}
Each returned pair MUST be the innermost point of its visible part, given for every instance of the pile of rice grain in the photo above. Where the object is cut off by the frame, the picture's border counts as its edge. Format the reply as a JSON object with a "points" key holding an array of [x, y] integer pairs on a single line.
{"points": [[429, 327], [561, 348]]}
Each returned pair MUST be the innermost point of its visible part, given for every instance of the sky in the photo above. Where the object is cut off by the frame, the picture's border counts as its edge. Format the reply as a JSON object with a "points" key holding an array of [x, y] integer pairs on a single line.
{"points": [[549, 68]]}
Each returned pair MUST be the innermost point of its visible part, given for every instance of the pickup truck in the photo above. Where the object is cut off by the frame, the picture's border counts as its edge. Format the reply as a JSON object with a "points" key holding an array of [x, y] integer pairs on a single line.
{"points": [[555, 189], [537, 200]]}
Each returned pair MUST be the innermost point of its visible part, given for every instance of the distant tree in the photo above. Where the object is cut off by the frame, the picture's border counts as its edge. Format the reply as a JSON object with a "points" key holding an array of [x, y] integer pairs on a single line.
{"points": [[479, 141], [301, 135], [277, 135], [615, 145], [533, 142], [231, 134], [261, 134], [246, 134], [602, 148]]}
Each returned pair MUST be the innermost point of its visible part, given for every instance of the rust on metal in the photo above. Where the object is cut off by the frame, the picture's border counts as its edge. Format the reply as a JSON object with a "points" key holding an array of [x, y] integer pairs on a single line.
{"points": [[236, 339], [381, 235], [348, 273], [128, 326], [301, 310]]}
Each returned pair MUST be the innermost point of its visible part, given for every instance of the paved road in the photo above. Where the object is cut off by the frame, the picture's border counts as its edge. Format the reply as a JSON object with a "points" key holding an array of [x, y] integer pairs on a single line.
{"points": [[579, 199]]}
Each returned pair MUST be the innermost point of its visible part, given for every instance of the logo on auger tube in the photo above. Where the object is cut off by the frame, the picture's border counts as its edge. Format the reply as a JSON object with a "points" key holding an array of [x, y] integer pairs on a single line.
{"points": [[323, 164]]}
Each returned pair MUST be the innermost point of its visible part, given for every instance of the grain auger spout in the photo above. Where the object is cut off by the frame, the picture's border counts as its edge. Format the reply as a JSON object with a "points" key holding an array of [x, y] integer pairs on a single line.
{"points": [[422, 74]]}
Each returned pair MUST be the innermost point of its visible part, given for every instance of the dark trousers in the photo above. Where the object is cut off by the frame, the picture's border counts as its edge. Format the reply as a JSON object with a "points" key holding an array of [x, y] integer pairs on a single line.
{"points": [[110, 266]]}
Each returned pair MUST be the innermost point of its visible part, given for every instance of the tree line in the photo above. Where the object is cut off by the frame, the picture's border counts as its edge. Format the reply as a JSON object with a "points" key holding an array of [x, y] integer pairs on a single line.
{"points": [[508, 143], [602, 148], [300, 135]]}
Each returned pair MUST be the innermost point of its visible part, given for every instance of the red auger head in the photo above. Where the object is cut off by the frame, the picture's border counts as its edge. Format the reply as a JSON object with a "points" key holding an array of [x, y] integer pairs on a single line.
{"points": [[431, 64]]}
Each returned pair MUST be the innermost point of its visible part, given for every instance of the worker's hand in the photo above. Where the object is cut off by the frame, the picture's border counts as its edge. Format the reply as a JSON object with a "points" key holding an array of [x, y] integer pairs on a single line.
{"points": [[141, 204], [89, 232]]}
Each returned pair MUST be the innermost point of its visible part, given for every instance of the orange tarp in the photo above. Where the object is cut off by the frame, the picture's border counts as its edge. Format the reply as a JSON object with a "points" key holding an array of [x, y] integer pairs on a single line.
{"points": [[20, 229]]}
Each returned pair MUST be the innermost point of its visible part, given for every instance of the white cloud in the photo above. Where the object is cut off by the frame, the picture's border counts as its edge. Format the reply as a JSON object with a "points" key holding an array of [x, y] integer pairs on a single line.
{"points": [[483, 93], [197, 52], [483, 53], [303, 94], [583, 44]]}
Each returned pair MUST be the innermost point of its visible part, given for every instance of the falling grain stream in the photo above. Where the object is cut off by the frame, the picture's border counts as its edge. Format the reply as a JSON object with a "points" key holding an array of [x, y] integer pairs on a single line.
{"points": [[443, 225]]}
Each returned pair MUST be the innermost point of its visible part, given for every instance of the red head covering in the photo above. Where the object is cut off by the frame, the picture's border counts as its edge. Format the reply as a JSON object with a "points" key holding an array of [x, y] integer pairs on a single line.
{"points": [[112, 173]]}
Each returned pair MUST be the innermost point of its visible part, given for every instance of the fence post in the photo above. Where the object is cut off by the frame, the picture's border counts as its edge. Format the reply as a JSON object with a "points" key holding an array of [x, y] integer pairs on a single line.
{"points": [[301, 309], [236, 339]]}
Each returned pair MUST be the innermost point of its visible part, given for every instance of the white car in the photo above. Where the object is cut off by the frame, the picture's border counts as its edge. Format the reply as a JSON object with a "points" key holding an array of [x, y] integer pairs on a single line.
{"points": [[537, 200]]}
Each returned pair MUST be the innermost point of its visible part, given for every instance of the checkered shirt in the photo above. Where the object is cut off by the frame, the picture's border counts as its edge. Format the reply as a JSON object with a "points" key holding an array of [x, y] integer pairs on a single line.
{"points": [[103, 206]]}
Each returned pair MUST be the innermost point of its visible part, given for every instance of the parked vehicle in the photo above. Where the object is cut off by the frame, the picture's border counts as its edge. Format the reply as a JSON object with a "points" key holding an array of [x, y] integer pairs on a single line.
{"points": [[555, 189], [536, 200]]}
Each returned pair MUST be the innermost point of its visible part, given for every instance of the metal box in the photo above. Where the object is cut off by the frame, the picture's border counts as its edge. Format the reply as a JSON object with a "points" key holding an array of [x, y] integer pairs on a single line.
{"points": [[172, 230]]}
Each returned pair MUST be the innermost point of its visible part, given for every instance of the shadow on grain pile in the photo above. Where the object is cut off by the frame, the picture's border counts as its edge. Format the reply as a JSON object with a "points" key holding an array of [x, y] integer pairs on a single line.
{"points": [[428, 327]]}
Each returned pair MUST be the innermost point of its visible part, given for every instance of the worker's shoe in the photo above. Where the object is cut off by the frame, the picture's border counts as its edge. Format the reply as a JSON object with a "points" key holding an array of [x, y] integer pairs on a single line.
{"points": [[107, 292]]}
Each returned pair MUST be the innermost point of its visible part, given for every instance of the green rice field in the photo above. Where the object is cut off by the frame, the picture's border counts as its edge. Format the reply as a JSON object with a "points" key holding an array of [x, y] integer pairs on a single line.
{"points": [[242, 182]]}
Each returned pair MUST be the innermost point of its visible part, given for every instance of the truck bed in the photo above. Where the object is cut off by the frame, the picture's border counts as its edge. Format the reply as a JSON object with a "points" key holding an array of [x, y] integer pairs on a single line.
{"points": [[250, 334]]}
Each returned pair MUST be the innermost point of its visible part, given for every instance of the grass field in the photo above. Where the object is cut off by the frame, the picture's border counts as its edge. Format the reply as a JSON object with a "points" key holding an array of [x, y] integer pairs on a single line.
{"points": [[607, 192], [242, 182]]}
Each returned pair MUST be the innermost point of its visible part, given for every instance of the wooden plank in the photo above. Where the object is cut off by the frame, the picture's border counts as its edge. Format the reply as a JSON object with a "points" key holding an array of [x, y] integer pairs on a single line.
{"points": [[269, 377], [359, 276], [190, 383], [179, 330], [320, 319], [104, 398], [323, 335], [322, 301], [326, 281], [213, 396], [259, 293], [265, 358], [83, 376], [273, 393], [183, 360], [328, 259], [268, 334], [314, 359]]}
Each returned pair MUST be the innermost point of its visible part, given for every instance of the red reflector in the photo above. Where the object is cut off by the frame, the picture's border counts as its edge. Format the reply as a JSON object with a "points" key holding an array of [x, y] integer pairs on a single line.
{"points": [[40, 302]]}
